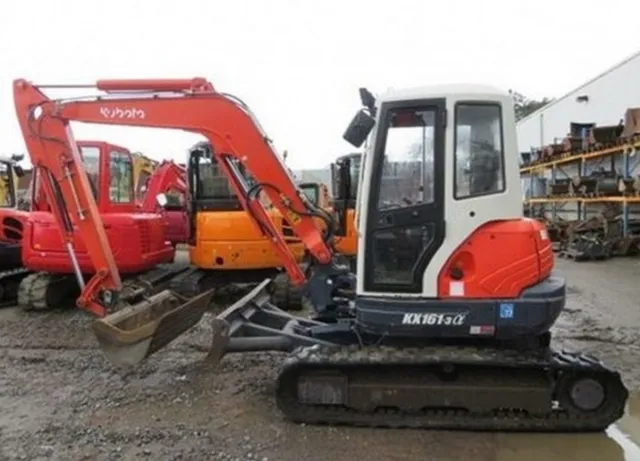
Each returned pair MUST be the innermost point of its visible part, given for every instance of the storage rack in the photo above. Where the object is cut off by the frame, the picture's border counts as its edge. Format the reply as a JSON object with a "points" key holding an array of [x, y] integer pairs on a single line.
{"points": [[630, 161]]}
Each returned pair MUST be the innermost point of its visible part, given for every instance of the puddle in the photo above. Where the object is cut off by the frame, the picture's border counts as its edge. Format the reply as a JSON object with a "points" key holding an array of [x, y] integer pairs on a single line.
{"points": [[621, 442]]}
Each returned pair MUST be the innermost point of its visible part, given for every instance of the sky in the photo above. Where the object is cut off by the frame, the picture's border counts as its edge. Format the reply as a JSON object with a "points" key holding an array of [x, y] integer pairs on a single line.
{"points": [[299, 63]]}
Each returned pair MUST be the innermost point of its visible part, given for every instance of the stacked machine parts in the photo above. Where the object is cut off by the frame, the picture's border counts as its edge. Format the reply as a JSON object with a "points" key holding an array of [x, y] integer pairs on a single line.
{"points": [[443, 326], [612, 190]]}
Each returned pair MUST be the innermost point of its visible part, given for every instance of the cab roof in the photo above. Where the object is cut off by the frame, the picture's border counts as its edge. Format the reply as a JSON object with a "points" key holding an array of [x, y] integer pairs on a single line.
{"points": [[456, 90]]}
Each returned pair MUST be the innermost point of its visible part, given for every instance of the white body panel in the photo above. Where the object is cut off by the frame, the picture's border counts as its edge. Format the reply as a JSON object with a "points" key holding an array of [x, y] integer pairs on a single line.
{"points": [[459, 222]]}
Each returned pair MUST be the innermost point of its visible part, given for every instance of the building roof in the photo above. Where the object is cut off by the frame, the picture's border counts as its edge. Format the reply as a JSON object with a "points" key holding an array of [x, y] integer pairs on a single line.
{"points": [[588, 82]]}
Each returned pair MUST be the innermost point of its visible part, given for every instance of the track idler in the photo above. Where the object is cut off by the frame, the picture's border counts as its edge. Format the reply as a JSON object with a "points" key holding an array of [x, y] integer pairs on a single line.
{"points": [[133, 333]]}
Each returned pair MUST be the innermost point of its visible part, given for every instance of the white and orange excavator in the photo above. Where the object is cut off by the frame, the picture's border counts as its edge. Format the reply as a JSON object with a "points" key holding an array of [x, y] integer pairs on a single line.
{"points": [[446, 323]]}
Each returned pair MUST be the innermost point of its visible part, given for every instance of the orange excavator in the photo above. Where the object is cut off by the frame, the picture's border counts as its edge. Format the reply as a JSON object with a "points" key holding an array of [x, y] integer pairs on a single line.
{"points": [[137, 239], [447, 324], [225, 245]]}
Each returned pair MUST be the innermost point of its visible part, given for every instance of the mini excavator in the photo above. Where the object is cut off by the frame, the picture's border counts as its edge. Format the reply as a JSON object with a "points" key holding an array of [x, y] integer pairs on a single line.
{"points": [[137, 239], [225, 245], [12, 221], [446, 324]]}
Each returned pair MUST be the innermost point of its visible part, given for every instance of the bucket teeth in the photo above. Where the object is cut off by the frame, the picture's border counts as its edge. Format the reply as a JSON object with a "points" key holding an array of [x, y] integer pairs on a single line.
{"points": [[132, 334]]}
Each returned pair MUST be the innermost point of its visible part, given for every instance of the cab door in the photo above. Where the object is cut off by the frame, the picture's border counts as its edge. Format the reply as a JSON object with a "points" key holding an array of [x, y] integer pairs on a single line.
{"points": [[405, 215]]}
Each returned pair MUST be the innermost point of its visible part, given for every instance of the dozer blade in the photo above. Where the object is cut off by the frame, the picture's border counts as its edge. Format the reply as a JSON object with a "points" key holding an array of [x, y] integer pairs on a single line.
{"points": [[132, 334]]}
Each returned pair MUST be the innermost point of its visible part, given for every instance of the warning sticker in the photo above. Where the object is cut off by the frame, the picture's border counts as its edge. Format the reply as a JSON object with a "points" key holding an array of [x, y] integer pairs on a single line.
{"points": [[506, 310]]}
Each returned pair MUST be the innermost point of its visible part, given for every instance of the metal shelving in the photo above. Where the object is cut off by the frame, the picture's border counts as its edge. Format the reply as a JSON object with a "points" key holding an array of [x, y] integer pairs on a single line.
{"points": [[625, 154]]}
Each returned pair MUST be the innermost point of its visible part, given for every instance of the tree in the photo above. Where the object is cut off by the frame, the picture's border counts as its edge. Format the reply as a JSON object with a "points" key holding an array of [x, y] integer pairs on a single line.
{"points": [[525, 106]]}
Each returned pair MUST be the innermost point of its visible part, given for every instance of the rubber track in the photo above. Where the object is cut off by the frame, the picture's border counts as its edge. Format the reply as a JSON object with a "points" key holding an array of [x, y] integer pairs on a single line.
{"points": [[197, 281], [348, 358], [7, 277], [33, 292]]}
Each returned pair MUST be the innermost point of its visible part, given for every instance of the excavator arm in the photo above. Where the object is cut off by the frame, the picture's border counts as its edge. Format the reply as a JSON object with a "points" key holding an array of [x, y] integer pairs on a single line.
{"points": [[191, 105], [165, 177]]}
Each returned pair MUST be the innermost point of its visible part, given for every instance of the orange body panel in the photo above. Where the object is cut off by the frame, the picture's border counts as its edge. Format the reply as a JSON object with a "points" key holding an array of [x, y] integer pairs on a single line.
{"points": [[136, 240], [499, 260], [348, 245], [228, 240]]}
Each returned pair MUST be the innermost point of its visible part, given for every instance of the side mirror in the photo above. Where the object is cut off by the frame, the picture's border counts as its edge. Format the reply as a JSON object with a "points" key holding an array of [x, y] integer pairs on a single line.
{"points": [[359, 128], [162, 200], [18, 170]]}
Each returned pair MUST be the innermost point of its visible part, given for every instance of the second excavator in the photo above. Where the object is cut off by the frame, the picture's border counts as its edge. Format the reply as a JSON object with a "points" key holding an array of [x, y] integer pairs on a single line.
{"points": [[447, 324]]}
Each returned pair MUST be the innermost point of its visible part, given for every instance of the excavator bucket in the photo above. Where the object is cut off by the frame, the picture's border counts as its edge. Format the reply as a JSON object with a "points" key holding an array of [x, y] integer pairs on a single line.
{"points": [[130, 335]]}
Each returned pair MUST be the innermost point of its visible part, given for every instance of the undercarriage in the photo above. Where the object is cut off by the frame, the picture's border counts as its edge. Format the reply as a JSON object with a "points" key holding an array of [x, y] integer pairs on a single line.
{"points": [[40, 291], [338, 373]]}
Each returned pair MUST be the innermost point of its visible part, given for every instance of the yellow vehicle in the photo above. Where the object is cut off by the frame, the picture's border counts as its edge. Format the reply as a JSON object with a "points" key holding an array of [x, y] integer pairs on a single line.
{"points": [[224, 243], [143, 168], [8, 181]]}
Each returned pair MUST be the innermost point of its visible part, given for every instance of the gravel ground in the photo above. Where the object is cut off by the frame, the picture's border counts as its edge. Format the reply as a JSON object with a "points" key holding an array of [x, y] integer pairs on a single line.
{"points": [[61, 400]]}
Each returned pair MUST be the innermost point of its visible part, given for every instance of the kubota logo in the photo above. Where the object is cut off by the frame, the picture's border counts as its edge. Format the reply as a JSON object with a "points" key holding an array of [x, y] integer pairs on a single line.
{"points": [[117, 112]]}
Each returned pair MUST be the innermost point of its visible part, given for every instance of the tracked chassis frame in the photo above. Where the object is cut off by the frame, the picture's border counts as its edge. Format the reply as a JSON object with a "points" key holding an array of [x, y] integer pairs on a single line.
{"points": [[337, 374], [43, 290]]}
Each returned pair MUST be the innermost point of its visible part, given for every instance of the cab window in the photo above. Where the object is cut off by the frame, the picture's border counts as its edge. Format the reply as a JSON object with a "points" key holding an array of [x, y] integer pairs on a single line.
{"points": [[479, 151], [91, 162], [311, 191], [121, 178], [407, 169]]}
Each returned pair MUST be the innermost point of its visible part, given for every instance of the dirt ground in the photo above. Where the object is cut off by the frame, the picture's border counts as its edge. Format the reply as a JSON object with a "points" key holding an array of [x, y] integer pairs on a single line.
{"points": [[60, 399]]}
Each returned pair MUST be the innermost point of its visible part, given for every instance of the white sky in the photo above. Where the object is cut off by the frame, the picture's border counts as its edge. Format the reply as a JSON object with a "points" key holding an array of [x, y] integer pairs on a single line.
{"points": [[299, 63]]}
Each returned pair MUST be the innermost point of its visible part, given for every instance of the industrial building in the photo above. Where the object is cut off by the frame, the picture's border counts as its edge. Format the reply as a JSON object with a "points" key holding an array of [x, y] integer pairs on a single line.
{"points": [[602, 100], [579, 168]]}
